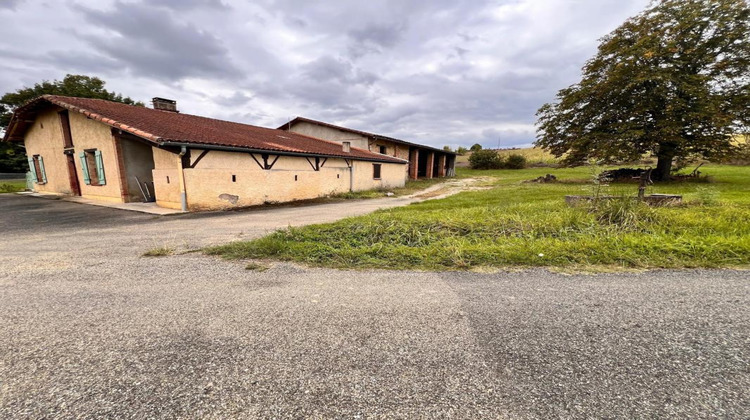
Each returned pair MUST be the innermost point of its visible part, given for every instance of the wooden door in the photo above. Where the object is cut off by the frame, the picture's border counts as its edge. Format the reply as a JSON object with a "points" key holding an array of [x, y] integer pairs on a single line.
{"points": [[75, 187]]}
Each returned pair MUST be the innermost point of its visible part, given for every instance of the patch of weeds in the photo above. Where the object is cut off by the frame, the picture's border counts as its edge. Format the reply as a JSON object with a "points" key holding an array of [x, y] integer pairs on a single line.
{"points": [[706, 196], [12, 187], [160, 251], [623, 212], [253, 266]]}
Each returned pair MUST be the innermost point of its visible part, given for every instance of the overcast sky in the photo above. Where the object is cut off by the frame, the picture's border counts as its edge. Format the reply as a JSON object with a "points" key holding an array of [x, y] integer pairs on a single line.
{"points": [[437, 72]]}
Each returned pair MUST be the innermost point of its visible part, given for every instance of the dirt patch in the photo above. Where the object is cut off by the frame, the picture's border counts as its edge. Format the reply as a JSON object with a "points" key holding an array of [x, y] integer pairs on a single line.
{"points": [[449, 188]]}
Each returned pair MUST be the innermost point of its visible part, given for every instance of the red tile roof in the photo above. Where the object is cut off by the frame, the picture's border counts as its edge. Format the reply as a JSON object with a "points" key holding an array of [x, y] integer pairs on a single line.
{"points": [[286, 126], [167, 128]]}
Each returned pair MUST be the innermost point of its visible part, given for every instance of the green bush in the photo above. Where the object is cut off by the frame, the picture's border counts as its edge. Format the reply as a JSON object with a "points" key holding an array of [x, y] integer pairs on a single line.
{"points": [[475, 147], [485, 159], [462, 150], [515, 161]]}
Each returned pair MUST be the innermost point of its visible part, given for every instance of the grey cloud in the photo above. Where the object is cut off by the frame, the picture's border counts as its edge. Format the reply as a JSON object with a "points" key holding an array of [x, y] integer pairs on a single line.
{"points": [[461, 52], [83, 61], [151, 43], [191, 4], [384, 35], [327, 69], [375, 38], [296, 21], [237, 99], [10, 4], [494, 138]]}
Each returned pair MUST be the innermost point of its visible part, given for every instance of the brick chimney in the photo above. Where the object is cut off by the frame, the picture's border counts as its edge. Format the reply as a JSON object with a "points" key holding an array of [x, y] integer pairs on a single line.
{"points": [[346, 146], [164, 104]]}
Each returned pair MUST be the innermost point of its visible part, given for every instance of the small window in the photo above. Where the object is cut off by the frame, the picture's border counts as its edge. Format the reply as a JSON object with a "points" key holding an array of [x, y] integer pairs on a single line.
{"points": [[376, 170], [383, 150], [295, 177], [36, 166], [234, 178], [92, 167], [167, 179], [338, 175]]}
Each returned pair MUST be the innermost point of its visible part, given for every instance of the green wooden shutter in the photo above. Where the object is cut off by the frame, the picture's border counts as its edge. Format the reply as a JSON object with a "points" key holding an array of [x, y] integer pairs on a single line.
{"points": [[41, 169], [33, 170], [100, 167], [85, 168]]}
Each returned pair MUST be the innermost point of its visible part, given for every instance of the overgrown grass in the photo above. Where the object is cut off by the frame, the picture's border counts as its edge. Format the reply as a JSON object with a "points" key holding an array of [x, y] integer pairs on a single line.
{"points": [[12, 186], [522, 224]]}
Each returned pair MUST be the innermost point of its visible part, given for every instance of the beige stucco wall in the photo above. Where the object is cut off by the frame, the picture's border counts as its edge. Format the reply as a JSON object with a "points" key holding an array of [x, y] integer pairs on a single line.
{"points": [[391, 176], [91, 134], [357, 140], [45, 138], [166, 178], [332, 134], [209, 185]]}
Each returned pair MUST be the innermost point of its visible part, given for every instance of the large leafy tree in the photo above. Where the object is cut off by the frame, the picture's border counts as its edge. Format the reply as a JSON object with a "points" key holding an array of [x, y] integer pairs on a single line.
{"points": [[673, 81], [12, 156]]}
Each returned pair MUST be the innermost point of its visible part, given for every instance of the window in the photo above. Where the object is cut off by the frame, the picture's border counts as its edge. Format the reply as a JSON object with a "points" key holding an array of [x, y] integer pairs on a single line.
{"points": [[376, 170], [92, 167], [36, 166], [383, 150]]}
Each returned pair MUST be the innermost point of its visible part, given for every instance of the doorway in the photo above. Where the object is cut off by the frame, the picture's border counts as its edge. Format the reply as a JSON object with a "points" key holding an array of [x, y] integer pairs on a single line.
{"points": [[138, 162], [75, 187]]}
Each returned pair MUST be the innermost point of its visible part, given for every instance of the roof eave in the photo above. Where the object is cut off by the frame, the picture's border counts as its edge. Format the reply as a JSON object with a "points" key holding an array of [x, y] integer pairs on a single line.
{"points": [[94, 116], [275, 152]]}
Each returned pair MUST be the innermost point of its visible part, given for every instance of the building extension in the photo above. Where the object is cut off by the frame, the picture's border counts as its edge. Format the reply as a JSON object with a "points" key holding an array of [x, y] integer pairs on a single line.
{"points": [[424, 161]]}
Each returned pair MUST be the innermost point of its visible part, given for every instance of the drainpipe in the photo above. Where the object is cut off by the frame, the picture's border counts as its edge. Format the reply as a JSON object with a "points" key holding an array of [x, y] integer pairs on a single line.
{"points": [[346, 147], [183, 193], [351, 176]]}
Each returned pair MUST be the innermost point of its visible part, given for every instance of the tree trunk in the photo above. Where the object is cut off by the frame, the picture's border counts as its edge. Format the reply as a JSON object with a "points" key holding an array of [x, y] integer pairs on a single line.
{"points": [[665, 156]]}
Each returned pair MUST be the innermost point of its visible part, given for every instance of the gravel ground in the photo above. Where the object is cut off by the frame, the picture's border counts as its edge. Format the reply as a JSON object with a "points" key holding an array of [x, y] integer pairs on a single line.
{"points": [[89, 329]]}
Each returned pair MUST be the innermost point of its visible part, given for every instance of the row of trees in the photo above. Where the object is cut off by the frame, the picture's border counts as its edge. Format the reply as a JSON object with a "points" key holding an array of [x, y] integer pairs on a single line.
{"points": [[462, 150]]}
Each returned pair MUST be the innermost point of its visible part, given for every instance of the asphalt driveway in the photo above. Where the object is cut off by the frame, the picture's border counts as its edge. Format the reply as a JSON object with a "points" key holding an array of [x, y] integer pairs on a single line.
{"points": [[90, 329]]}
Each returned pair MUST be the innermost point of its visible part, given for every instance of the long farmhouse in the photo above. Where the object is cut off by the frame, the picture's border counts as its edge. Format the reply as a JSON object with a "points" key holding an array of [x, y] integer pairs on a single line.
{"points": [[110, 151]]}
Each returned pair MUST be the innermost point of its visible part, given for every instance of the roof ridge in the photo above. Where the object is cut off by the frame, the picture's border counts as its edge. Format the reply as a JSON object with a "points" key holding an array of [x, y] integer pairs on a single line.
{"points": [[354, 130]]}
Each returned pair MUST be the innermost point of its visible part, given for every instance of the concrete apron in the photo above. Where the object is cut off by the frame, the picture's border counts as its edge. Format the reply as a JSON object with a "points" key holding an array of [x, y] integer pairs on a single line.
{"points": [[149, 208], [438, 191]]}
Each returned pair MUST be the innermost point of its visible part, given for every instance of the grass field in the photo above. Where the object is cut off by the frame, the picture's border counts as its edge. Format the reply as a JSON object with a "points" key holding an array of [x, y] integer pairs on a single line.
{"points": [[11, 186], [517, 224]]}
